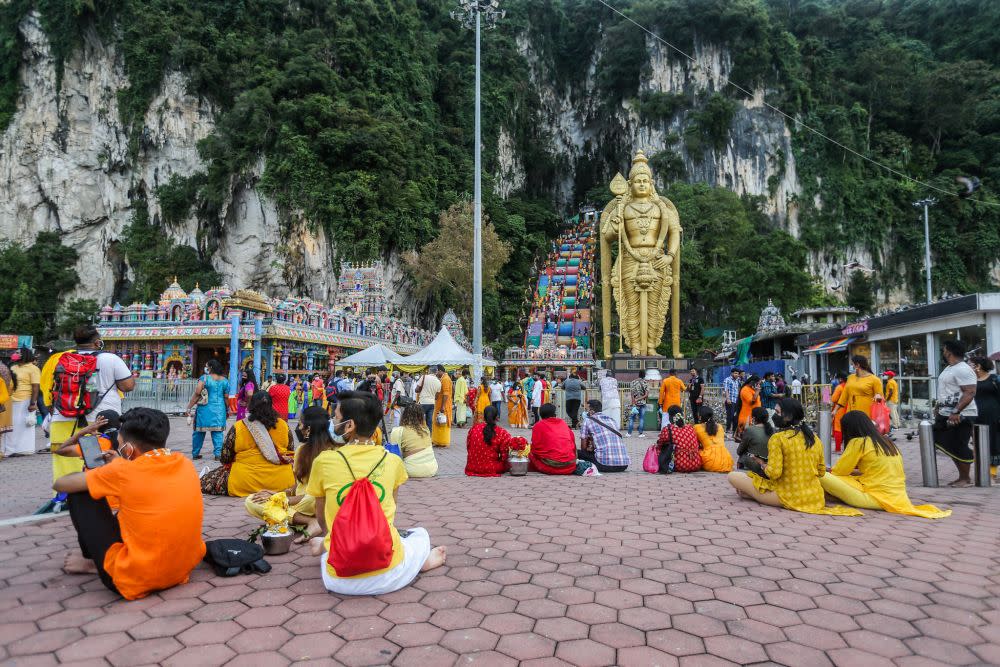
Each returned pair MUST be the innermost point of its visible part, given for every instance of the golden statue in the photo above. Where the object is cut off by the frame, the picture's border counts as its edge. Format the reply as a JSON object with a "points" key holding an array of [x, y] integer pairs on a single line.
{"points": [[645, 279]]}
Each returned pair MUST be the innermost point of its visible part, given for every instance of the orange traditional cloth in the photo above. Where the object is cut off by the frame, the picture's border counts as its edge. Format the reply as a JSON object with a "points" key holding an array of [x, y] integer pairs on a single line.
{"points": [[441, 433], [714, 455], [482, 402], [670, 392], [747, 404]]}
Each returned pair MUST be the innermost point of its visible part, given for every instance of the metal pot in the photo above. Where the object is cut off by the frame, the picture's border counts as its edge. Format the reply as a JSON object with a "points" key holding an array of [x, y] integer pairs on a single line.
{"points": [[277, 544], [518, 467]]}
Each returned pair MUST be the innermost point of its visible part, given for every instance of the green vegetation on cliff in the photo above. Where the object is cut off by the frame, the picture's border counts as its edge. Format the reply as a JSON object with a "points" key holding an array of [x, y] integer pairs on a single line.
{"points": [[356, 116]]}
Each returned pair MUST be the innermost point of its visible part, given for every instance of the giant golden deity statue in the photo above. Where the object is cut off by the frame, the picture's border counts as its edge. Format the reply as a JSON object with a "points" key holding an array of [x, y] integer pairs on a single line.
{"points": [[644, 231]]}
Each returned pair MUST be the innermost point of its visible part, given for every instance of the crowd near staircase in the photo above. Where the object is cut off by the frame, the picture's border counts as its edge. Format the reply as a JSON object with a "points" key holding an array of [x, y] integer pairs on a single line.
{"points": [[560, 309]]}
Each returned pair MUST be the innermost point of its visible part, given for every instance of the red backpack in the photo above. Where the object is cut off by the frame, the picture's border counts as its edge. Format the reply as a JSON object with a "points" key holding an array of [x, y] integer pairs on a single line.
{"points": [[360, 539], [74, 385]]}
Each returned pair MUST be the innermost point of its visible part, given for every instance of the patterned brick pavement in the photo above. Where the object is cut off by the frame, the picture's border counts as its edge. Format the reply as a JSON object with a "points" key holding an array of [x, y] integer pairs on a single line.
{"points": [[630, 569]]}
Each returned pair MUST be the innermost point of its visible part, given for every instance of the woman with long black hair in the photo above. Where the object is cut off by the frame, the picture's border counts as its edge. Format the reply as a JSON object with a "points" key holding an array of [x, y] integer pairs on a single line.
{"points": [[793, 467], [712, 441], [248, 385], [488, 444], [881, 482]]}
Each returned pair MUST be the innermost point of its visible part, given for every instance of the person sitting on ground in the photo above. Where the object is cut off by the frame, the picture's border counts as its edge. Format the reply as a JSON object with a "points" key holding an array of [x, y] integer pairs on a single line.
{"points": [[553, 445], [880, 483], [256, 454], [105, 427], [601, 443], [155, 540], [313, 435], [488, 445], [681, 441], [753, 444], [714, 455], [793, 467], [355, 418], [414, 441]]}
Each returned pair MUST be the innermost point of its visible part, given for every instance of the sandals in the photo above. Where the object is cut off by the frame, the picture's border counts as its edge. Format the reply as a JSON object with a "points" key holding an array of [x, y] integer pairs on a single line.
{"points": [[960, 484]]}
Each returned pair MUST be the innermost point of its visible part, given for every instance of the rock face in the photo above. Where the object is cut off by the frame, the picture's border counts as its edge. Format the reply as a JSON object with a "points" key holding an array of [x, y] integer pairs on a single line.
{"points": [[65, 165]]}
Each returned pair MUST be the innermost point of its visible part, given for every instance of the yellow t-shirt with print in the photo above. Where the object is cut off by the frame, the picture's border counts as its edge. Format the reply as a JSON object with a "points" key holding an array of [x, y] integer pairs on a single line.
{"points": [[331, 479]]}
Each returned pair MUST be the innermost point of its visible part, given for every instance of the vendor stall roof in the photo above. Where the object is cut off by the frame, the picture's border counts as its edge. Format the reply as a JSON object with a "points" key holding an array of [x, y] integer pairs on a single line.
{"points": [[831, 346], [372, 357], [442, 351]]}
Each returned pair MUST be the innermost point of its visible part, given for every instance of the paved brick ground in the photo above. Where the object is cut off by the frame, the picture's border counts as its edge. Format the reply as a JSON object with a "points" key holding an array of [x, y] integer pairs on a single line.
{"points": [[628, 569]]}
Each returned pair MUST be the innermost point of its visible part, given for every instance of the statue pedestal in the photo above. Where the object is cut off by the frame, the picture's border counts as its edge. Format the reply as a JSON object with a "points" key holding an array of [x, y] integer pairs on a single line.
{"points": [[627, 368]]}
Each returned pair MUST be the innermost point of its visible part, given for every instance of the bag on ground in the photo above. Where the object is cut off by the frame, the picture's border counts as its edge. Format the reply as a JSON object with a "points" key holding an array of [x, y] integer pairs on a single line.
{"points": [[651, 461], [230, 557], [360, 539]]}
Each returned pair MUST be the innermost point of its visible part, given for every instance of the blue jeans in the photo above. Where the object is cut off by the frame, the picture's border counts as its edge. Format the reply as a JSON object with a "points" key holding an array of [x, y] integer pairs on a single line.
{"points": [[636, 419], [428, 414], [198, 439]]}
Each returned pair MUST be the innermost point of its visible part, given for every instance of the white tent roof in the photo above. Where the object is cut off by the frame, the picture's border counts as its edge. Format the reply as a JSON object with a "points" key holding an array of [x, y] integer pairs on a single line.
{"points": [[375, 356], [444, 351]]}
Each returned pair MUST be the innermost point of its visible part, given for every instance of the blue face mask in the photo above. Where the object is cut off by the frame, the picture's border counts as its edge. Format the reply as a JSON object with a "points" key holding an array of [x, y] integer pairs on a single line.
{"points": [[338, 437]]}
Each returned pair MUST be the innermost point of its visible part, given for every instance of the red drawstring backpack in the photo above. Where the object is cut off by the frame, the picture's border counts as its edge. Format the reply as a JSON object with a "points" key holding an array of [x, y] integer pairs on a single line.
{"points": [[360, 539]]}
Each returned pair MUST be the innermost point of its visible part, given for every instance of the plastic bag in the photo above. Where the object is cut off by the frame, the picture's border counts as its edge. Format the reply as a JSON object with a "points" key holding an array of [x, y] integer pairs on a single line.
{"points": [[651, 461], [880, 415]]}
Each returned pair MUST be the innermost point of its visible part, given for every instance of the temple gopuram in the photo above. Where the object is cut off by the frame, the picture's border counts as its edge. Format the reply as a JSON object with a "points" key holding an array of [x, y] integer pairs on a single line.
{"points": [[176, 336]]}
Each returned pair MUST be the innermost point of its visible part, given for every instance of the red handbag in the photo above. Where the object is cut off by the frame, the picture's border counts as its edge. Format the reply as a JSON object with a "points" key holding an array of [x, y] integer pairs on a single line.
{"points": [[880, 415]]}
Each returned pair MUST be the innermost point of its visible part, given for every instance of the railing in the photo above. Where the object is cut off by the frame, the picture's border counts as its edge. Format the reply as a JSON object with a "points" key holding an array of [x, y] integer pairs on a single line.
{"points": [[170, 396]]}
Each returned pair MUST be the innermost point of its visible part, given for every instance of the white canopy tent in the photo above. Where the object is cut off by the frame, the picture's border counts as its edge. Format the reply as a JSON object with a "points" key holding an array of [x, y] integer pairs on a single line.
{"points": [[442, 351], [372, 357]]}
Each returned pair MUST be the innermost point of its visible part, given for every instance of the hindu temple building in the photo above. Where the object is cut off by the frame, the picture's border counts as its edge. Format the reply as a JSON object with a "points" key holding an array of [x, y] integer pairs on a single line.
{"points": [[175, 336]]}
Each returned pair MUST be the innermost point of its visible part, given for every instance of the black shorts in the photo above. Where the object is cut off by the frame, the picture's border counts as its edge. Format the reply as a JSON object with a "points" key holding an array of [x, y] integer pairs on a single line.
{"points": [[954, 440]]}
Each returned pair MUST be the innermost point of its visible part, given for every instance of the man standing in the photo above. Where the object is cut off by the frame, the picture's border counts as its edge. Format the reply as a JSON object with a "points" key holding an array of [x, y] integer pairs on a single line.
{"points": [[574, 395], [427, 391], [610, 398], [537, 396], [797, 389], [280, 392], [639, 392], [731, 391], [496, 395], [110, 374], [461, 391], [892, 397], [769, 394], [695, 387], [670, 394], [397, 392], [441, 430], [956, 410]]}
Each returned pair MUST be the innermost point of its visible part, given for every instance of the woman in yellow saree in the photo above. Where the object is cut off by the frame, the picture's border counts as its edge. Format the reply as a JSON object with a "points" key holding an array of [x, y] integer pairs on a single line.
{"points": [[482, 400], [517, 407]]}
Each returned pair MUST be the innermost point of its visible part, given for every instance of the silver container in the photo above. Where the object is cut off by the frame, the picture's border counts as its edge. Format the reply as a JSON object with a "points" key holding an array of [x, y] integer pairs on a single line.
{"points": [[518, 468], [275, 545]]}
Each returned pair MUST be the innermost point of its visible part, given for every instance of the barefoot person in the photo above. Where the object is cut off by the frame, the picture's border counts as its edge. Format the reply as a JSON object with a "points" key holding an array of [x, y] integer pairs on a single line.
{"points": [[313, 434], [155, 540], [333, 472]]}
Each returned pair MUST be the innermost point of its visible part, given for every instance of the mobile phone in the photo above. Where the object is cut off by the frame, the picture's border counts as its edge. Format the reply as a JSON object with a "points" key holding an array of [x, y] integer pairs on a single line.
{"points": [[93, 457]]}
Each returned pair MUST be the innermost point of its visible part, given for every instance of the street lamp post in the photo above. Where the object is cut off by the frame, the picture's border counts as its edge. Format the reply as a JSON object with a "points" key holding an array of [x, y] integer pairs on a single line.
{"points": [[477, 14], [926, 204]]}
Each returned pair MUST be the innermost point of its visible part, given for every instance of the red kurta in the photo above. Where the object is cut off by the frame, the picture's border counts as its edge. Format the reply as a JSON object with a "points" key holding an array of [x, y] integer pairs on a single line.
{"points": [[552, 444], [487, 459]]}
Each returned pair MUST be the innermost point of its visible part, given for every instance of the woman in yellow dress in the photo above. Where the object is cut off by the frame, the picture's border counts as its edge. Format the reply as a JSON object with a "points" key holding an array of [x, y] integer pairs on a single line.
{"points": [[441, 431], [517, 407], [482, 400], [313, 433], [793, 468], [712, 441], [257, 452], [881, 482], [414, 442], [862, 388]]}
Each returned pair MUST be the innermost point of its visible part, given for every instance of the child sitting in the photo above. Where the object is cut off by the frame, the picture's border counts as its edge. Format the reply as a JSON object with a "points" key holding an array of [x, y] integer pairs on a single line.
{"points": [[330, 482], [155, 540]]}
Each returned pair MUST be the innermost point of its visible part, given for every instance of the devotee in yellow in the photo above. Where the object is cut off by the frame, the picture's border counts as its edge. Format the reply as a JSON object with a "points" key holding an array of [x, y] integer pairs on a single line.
{"points": [[862, 388], [441, 431], [880, 483]]}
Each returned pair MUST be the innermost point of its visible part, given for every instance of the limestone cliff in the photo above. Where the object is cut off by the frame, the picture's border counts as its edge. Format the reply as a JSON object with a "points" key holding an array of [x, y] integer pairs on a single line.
{"points": [[65, 165]]}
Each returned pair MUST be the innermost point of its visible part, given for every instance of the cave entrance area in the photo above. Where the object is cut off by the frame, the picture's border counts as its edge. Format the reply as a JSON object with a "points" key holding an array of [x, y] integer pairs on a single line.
{"points": [[205, 351]]}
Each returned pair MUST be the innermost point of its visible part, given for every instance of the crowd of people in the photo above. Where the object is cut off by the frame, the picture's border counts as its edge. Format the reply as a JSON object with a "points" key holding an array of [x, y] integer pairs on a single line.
{"points": [[357, 439]]}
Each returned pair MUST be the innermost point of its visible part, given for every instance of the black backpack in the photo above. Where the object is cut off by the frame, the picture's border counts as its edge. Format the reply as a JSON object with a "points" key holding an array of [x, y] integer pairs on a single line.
{"points": [[230, 557]]}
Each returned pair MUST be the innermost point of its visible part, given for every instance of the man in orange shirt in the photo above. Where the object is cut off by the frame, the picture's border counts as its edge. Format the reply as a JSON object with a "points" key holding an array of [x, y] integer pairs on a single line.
{"points": [[670, 394], [155, 541]]}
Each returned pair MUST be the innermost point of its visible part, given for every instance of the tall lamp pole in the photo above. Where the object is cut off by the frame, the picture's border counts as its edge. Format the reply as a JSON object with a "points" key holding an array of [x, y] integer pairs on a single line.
{"points": [[477, 14], [926, 204]]}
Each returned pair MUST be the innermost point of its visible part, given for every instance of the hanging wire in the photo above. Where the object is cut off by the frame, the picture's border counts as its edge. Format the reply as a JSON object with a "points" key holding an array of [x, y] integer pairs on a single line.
{"points": [[794, 120]]}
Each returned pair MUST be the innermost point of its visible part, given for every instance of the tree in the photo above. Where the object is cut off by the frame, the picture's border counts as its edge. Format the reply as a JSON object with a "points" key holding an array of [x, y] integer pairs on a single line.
{"points": [[46, 271], [76, 313], [443, 267], [24, 317], [861, 292]]}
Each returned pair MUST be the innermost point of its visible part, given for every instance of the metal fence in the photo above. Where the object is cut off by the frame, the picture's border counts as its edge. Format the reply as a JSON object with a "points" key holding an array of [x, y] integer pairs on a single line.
{"points": [[170, 396]]}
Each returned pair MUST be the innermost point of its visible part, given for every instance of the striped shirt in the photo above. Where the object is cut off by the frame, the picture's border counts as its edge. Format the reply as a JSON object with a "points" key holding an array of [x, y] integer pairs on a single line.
{"points": [[609, 450], [732, 389]]}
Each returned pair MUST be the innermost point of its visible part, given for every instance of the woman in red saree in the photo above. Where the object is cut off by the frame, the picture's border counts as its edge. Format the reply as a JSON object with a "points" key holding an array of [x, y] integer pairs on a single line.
{"points": [[553, 445], [488, 446]]}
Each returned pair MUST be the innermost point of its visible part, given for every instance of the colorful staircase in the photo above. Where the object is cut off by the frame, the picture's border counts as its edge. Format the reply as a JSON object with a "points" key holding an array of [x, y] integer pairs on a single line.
{"points": [[560, 313]]}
